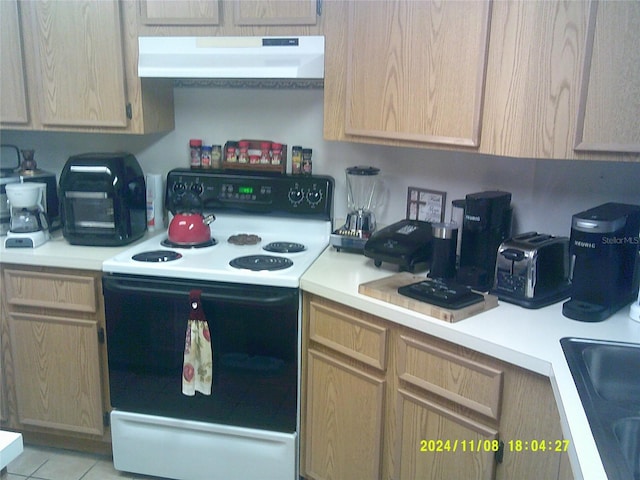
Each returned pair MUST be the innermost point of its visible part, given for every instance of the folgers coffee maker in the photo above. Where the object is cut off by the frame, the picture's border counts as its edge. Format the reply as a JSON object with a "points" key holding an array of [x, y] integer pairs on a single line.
{"points": [[486, 224], [605, 251]]}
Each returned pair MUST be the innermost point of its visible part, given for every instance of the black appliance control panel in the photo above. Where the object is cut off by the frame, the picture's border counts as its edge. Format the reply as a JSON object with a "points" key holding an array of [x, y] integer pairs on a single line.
{"points": [[279, 195]]}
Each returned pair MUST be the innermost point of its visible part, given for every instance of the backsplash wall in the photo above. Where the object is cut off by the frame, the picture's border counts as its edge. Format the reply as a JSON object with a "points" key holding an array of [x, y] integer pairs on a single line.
{"points": [[545, 193]]}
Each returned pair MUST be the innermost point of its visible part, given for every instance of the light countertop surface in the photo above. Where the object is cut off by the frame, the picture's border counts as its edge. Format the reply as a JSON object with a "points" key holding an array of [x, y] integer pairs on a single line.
{"points": [[57, 252], [526, 338]]}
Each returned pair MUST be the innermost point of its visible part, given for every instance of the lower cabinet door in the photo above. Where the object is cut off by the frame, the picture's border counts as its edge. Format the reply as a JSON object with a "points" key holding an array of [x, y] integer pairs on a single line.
{"points": [[57, 374], [435, 443], [344, 420]]}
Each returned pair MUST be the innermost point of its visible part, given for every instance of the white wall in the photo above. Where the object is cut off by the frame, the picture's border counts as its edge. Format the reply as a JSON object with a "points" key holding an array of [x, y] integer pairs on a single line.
{"points": [[545, 193]]}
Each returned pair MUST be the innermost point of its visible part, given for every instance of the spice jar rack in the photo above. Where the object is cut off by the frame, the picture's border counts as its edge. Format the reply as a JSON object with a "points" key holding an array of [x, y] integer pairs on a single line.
{"points": [[245, 159]]}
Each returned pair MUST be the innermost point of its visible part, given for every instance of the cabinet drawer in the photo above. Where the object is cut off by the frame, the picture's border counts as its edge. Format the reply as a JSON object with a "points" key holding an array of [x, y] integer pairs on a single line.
{"points": [[462, 380], [349, 335], [73, 293]]}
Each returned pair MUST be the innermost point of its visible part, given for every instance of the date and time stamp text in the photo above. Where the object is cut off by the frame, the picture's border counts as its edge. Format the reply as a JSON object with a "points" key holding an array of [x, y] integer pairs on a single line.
{"points": [[486, 445]]}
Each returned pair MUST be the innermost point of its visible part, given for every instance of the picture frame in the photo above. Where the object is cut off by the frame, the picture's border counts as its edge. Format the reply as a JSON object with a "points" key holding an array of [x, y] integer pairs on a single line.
{"points": [[426, 205]]}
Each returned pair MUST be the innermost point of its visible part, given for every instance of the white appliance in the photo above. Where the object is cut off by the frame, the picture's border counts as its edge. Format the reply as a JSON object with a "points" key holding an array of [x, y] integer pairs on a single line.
{"points": [[248, 427], [295, 57]]}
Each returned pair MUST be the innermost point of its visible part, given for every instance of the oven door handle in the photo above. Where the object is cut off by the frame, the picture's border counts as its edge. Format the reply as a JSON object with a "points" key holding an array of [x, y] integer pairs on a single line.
{"points": [[254, 295]]}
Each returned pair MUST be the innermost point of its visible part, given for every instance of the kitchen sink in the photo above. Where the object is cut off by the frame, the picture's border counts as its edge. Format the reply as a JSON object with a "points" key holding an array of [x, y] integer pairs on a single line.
{"points": [[607, 377]]}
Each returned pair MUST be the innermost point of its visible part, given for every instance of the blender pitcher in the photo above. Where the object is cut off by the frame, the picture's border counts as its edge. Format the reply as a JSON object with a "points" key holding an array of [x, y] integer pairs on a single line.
{"points": [[361, 193]]}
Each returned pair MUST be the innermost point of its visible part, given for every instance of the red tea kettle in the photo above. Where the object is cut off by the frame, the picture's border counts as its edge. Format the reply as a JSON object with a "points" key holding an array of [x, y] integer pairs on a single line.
{"points": [[189, 226]]}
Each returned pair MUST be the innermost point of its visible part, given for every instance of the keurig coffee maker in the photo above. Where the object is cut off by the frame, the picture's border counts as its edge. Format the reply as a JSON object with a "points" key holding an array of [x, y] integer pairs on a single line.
{"points": [[604, 247], [486, 224]]}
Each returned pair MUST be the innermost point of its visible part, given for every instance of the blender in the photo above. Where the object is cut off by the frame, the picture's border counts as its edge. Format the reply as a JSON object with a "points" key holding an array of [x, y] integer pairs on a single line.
{"points": [[28, 226], [362, 185]]}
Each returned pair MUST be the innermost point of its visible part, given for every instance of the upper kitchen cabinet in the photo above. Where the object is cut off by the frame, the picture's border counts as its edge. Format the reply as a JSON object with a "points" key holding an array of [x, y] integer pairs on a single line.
{"points": [[406, 71], [298, 12], [519, 79], [609, 108], [229, 17], [80, 58], [179, 12], [13, 95]]}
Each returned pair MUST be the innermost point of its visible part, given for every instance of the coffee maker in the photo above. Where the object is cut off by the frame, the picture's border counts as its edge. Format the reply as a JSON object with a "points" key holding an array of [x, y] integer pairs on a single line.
{"points": [[28, 227], [486, 224], [605, 252]]}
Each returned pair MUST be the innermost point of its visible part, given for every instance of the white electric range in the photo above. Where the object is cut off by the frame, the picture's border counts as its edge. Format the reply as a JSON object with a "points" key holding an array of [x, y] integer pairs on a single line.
{"points": [[247, 428]]}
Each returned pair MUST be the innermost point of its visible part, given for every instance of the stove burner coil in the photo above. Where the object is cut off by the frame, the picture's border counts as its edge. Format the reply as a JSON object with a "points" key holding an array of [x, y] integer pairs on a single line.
{"points": [[168, 243], [157, 256], [244, 239], [284, 247], [258, 263]]}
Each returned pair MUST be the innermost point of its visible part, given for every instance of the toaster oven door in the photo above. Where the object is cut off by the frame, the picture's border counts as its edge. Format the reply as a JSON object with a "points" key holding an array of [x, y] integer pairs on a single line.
{"points": [[90, 212]]}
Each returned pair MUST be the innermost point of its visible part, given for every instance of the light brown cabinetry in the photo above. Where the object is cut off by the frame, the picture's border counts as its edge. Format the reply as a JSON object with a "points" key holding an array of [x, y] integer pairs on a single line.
{"points": [[519, 79], [608, 117], [229, 17], [13, 95], [56, 371], [395, 403], [415, 70], [80, 64], [275, 12], [345, 396], [180, 12]]}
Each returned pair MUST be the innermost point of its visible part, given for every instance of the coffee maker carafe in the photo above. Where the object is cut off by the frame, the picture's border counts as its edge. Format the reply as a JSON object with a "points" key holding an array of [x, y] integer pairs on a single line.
{"points": [[605, 253], [486, 224], [28, 226]]}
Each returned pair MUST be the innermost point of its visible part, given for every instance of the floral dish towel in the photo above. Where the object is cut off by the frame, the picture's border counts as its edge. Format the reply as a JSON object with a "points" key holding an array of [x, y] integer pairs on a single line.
{"points": [[197, 371]]}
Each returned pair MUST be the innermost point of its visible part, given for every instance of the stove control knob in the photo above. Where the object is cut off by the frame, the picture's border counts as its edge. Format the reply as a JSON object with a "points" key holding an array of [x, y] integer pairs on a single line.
{"points": [[197, 188], [314, 197], [179, 187], [296, 195]]}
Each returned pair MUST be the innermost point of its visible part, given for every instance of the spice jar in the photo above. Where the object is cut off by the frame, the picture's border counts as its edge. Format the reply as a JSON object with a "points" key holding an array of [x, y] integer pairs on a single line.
{"points": [[231, 154], [306, 161], [296, 160], [195, 152], [206, 156], [276, 153], [243, 155], [216, 156], [265, 152]]}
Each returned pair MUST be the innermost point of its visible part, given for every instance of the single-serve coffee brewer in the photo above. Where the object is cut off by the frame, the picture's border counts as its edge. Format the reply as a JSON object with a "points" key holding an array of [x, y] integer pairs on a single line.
{"points": [[28, 226], [605, 254], [486, 224]]}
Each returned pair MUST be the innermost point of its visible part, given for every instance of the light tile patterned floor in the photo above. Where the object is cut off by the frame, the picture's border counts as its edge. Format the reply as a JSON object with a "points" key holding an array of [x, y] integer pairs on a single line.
{"points": [[41, 463]]}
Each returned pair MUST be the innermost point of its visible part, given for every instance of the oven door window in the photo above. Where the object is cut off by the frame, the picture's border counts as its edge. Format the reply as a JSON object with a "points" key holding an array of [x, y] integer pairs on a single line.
{"points": [[92, 210], [254, 336]]}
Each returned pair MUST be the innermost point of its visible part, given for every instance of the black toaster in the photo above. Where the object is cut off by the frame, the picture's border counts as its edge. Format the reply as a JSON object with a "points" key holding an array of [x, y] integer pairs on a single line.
{"points": [[532, 270]]}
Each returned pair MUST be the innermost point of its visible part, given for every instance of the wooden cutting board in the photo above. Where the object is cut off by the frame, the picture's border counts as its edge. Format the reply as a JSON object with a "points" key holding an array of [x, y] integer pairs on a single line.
{"points": [[386, 289]]}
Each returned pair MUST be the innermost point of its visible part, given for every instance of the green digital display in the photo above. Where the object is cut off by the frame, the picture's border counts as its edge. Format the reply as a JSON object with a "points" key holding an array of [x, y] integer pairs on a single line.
{"points": [[245, 190]]}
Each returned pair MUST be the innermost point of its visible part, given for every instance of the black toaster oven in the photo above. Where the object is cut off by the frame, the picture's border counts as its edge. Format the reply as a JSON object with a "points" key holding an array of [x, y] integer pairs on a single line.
{"points": [[103, 199]]}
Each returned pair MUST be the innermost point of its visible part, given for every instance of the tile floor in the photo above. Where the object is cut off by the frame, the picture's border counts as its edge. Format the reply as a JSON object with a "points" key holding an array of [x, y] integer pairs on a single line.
{"points": [[42, 463]]}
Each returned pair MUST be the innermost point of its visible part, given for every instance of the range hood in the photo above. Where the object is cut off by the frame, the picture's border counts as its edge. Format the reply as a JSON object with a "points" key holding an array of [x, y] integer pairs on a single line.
{"points": [[231, 57]]}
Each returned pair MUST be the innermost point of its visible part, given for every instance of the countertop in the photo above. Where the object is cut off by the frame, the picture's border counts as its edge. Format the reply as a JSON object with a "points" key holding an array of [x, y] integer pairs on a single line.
{"points": [[526, 338], [11, 447], [57, 252]]}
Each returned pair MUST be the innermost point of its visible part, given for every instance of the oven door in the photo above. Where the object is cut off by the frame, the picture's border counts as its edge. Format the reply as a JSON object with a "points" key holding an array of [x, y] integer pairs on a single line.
{"points": [[254, 336]]}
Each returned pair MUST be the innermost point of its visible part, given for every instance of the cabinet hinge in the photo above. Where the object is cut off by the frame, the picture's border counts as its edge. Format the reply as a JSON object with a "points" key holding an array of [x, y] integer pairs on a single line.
{"points": [[499, 454], [106, 419], [129, 111], [100, 335]]}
